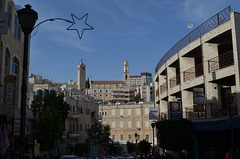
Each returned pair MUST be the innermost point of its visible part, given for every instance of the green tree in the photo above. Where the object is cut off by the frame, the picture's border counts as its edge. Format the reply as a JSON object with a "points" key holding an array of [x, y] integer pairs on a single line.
{"points": [[52, 113], [144, 147], [82, 148], [131, 147], [175, 134], [98, 133]]}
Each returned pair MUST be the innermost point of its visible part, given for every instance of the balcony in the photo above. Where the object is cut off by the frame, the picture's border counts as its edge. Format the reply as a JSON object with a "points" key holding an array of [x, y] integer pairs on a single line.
{"points": [[193, 72], [163, 88], [175, 81], [220, 61], [217, 110]]}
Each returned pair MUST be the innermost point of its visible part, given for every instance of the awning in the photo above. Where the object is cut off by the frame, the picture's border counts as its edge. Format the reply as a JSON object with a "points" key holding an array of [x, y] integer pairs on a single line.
{"points": [[216, 124]]}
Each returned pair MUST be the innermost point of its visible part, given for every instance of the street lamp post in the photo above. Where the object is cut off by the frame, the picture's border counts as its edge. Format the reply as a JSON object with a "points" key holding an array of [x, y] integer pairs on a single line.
{"points": [[229, 100], [136, 136], [27, 18], [34, 111], [153, 126]]}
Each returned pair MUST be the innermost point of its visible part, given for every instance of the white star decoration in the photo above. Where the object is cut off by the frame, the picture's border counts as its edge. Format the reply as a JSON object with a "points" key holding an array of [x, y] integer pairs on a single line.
{"points": [[81, 25]]}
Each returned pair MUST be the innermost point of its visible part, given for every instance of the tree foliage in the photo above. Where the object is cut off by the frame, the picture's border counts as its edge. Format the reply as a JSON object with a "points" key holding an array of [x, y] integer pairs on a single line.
{"points": [[144, 147], [130, 147], [98, 133], [52, 113], [175, 134], [82, 148]]}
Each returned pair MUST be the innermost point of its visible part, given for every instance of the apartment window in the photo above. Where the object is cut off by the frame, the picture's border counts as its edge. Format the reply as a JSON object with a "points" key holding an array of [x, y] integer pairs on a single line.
{"points": [[121, 137], [147, 137], [146, 111], [121, 112], [121, 124], [100, 91], [105, 113], [129, 124], [138, 112], [17, 28], [106, 91], [113, 124], [129, 112], [95, 91], [129, 137], [113, 112]]}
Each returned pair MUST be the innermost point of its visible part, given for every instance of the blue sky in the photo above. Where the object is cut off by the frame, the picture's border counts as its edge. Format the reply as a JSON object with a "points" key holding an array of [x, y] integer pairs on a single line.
{"points": [[141, 31]]}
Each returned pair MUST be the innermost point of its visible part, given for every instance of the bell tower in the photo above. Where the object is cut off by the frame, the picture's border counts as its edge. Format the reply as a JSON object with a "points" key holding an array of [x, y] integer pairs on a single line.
{"points": [[81, 76], [126, 72]]}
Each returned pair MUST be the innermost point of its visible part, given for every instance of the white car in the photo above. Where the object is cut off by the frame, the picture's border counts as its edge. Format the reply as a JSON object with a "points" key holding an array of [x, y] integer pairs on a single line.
{"points": [[69, 157]]}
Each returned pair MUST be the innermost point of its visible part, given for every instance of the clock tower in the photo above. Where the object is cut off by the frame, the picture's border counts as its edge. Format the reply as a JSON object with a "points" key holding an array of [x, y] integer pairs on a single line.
{"points": [[81, 76], [126, 73]]}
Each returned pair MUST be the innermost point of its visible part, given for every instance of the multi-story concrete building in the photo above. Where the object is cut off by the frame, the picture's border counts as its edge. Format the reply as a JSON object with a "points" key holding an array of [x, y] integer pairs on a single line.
{"points": [[126, 120], [139, 80], [199, 71]]}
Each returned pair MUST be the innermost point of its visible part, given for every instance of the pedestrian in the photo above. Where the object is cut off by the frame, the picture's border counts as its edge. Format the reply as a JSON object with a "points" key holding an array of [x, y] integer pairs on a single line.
{"points": [[230, 154]]}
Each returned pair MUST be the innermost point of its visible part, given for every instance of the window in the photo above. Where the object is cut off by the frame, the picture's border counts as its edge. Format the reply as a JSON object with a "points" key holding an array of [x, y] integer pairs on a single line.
{"points": [[105, 113], [147, 137], [129, 124], [147, 124], [7, 62], [121, 112], [113, 124], [113, 112], [95, 91], [129, 137], [113, 137], [121, 124], [17, 28], [121, 137], [146, 111], [138, 112], [100, 91], [129, 112]]}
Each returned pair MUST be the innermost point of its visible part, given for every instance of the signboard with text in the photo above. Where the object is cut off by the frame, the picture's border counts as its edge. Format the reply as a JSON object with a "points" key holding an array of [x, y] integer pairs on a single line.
{"points": [[153, 114], [175, 110]]}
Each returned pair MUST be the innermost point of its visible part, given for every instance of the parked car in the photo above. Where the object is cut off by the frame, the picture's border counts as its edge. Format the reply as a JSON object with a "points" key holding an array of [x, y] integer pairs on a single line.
{"points": [[109, 157], [69, 157]]}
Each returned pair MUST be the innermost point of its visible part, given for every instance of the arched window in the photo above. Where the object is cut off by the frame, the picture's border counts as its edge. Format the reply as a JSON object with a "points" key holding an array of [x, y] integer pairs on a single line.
{"points": [[7, 63], [15, 72]]}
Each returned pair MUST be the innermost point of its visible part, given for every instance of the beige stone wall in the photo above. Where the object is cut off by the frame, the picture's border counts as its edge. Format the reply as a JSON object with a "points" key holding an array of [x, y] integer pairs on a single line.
{"points": [[126, 120]]}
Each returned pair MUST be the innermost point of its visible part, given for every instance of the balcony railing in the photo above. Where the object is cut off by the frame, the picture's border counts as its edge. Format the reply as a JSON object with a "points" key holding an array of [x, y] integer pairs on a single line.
{"points": [[163, 88], [175, 81], [190, 114], [220, 61], [218, 111], [193, 72], [157, 92]]}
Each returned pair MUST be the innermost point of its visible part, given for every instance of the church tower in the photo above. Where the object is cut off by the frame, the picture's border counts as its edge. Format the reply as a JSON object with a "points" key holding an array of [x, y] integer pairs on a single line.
{"points": [[81, 76], [126, 73]]}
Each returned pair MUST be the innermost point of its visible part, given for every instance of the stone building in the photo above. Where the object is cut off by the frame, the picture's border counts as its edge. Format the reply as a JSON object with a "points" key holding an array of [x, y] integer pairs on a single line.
{"points": [[126, 120], [11, 64], [198, 74], [112, 91]]}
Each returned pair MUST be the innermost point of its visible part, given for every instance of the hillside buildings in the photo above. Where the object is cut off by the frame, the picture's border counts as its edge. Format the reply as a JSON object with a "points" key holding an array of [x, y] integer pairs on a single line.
{"points": [[195, 78]]}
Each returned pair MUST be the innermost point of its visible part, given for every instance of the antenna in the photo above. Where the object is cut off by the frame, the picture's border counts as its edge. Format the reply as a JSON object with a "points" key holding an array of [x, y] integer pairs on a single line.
{"points": [[190, 25]]}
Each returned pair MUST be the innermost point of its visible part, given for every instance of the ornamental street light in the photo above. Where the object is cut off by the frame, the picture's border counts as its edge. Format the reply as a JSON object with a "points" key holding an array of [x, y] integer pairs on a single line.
{"points": [[27, 18], [153, 126], [34, 112]]}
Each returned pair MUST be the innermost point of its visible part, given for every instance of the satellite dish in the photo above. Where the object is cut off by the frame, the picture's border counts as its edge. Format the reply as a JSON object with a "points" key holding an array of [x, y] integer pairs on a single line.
{"points": [[190, 25]]}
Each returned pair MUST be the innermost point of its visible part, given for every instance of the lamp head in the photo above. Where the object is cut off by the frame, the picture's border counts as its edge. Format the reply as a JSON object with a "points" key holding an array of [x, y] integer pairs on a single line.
{"points": [[27, 18]]}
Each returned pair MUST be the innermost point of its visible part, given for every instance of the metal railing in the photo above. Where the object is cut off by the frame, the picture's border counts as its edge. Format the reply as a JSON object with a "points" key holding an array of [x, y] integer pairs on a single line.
{"points": [[163, 88], [205, 27], [221, 61], [193, 72], [175, 81], [190, 114]]}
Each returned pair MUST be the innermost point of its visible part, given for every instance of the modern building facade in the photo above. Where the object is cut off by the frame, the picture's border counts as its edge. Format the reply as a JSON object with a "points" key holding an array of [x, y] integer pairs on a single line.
{"points": [[199, 72], [139, 80]]}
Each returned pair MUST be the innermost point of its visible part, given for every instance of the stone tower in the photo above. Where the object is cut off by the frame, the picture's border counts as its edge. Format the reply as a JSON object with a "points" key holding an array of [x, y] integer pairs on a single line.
{"points": [[126, 73], [81, 76]]}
